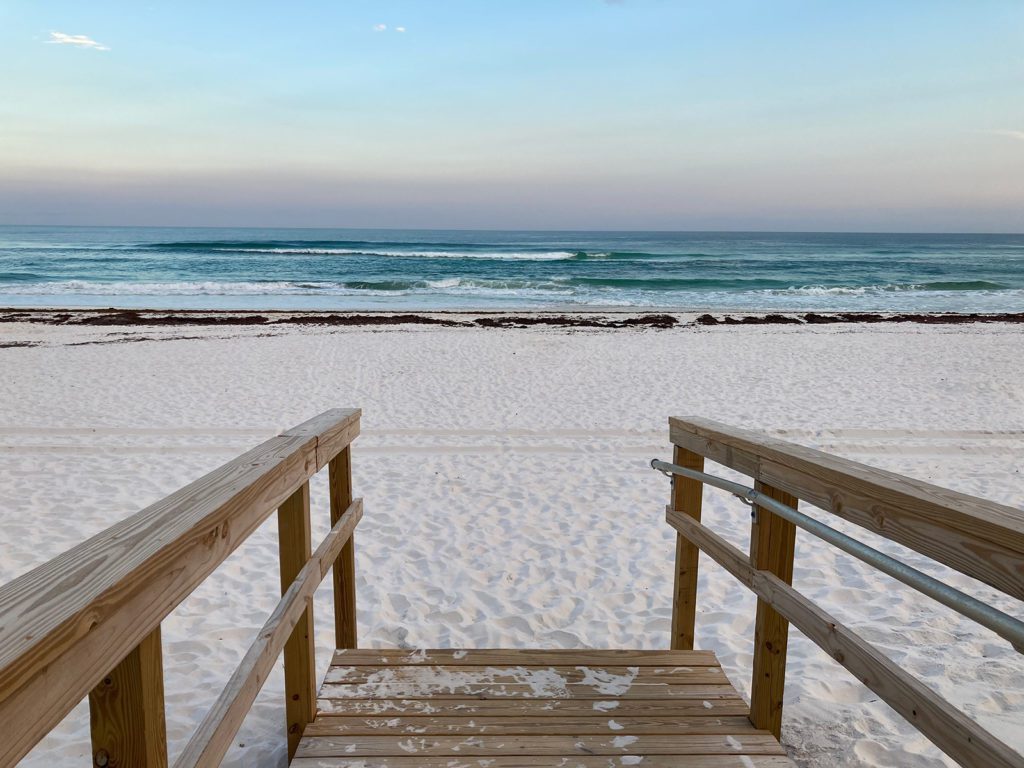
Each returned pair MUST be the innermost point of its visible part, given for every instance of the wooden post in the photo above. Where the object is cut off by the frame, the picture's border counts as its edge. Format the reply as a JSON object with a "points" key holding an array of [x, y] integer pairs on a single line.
{"points": [[344, 571], [686, 497], [126, 711], [772, 544], [299, 650]]}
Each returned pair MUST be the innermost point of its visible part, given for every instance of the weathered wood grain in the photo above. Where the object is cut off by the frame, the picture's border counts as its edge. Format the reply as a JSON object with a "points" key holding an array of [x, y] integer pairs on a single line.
{"points": [[212, 739], [596, 723], [64, 625], [334, 431], [949, 729], [295, 545], [518, 690], [687, 497], [546, 710], [564, 745], [772, 546], [980, 538], [344, 572], [126, 710], [524, 657], [542, 677], [530, 761], [728, 703]]}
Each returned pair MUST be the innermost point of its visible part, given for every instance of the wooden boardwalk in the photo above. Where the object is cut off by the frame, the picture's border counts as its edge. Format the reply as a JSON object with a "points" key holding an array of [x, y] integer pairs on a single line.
{"points": [[88, 624], [505, 708]]}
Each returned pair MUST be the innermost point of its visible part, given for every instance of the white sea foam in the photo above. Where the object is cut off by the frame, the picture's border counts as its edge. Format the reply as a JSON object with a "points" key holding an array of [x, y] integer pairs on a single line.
{"points": [[183, 288], [864, 290], [279, 288], [479, 292], [490, 255]]}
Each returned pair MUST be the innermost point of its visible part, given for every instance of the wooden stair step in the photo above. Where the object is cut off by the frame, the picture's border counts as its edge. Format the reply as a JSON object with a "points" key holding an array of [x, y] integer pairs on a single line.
{"points": [[533, 761], [495, 708], [718, 704], [474, 746], [525, 726], [523, 658]]}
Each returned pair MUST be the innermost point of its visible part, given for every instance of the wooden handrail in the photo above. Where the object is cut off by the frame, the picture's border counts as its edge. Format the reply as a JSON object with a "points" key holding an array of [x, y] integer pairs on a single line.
{"points": [[949, 729], [212, 739], [979, 538], [66, 624]]}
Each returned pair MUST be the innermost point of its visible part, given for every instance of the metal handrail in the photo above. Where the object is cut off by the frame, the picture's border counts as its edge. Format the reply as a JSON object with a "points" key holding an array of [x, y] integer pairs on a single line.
{"points": [[1004, 625]]}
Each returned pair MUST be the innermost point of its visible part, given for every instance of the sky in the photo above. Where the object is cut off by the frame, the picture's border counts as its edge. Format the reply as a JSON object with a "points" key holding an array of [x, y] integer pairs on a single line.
{"points": [[537, 114]]}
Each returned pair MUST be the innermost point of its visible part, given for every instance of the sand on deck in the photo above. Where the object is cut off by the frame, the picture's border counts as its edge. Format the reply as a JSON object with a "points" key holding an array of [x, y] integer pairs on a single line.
{"points": [[508, 498]]}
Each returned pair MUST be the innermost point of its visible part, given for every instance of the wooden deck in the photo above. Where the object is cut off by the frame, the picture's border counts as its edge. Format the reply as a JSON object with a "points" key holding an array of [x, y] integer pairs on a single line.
{"points": [[505, 708]]}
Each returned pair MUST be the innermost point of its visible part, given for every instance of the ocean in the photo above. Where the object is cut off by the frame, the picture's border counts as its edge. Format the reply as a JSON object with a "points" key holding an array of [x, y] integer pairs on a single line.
{"points": [[358, 269]]}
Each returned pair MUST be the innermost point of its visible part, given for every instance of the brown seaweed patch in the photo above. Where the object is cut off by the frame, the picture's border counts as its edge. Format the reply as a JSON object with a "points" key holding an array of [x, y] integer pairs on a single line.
{"points": [[576, 321], [367, 320]]}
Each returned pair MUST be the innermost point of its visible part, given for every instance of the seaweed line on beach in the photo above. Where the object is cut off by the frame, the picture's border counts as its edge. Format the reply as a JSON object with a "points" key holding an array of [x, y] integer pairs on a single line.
{"points": [[129, 318]]}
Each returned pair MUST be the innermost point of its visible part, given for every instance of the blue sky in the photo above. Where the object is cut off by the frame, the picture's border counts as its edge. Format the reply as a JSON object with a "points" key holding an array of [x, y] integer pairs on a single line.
{"points": [[885, 116]]}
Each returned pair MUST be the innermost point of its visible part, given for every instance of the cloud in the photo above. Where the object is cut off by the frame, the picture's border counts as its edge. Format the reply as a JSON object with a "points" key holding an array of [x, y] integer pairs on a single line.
{"points": [[399, 29], [380, 27], [79, 41], [1007, 132]]}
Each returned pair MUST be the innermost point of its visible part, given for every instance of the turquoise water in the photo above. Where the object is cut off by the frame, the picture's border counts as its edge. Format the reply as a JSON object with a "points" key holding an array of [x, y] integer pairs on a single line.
{"points": [[408, 269]]}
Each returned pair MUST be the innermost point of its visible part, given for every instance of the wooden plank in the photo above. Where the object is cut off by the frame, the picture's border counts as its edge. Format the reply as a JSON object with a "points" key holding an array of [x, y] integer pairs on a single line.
{"points": [[487, 746], [980, 538], [541, 678], [687, 497], [299, 651], [344, 571], [528, 761], [334, 430], [126, 710], [64, 625], [596, 723], [524, 658], [772, 546], [949, 729], [712, 705], [519, 690], [212, 739]]}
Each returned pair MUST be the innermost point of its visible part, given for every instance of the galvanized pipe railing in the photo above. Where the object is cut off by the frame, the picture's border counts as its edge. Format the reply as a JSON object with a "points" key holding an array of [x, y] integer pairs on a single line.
{"points": [[1001, 623]]}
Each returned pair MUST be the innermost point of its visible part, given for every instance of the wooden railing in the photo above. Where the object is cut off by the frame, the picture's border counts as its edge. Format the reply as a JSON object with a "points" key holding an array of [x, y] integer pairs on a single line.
{"points": [[88, 621], [976, 537]]}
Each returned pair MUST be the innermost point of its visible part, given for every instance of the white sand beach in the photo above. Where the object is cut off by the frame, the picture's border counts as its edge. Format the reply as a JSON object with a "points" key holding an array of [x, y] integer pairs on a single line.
{"points": [[508, 500]]}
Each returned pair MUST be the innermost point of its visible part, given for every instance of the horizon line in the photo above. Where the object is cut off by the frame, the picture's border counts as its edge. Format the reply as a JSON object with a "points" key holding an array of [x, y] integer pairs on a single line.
{"points": [[521, 229]]}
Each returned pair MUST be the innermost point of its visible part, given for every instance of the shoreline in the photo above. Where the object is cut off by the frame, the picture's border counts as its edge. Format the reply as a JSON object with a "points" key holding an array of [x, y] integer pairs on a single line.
{"points": [[611, 319]]}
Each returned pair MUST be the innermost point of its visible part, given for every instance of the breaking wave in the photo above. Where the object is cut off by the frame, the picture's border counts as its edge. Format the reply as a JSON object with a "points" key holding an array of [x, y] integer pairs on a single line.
{"points": [[390, 269]]}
